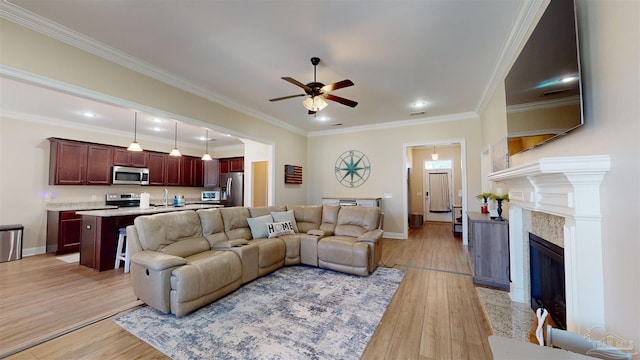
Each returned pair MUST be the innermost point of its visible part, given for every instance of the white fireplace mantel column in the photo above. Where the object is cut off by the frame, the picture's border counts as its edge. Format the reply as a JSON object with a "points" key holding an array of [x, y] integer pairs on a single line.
{"points": [[568, 187]]}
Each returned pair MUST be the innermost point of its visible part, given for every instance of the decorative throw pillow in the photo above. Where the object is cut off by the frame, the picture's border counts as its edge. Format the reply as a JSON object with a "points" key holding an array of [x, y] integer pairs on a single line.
{"points": [[279, 228], [258, 226], [286, 216]]}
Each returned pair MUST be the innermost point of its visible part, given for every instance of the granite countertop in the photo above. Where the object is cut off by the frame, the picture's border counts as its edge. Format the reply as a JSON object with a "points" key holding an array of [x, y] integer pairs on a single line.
{"points": [[79, 206], [138, 211], [352, 197]]}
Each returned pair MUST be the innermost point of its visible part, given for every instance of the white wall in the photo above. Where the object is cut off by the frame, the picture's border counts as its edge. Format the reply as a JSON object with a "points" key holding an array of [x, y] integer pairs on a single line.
{"points": [[385, 150], [609, 33]]}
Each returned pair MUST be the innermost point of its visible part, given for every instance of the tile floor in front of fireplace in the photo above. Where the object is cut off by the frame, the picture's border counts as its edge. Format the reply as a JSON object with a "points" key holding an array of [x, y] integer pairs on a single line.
{"points": [[507, 318]]}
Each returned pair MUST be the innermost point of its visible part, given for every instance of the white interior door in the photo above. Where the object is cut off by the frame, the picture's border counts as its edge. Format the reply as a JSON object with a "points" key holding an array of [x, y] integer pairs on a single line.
{"points": [[438, 190]]}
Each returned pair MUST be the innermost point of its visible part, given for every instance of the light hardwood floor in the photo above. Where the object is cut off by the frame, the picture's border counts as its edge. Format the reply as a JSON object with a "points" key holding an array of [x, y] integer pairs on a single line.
{"points": [[435, 314]]}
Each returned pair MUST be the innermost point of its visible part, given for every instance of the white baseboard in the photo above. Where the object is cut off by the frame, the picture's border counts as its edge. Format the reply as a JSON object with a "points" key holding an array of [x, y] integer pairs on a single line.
{"points": [[34, 251], [390, 235]]}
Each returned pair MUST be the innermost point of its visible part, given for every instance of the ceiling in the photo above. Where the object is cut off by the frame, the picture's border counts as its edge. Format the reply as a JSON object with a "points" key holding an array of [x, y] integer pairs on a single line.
{"points": [[445, 54]]}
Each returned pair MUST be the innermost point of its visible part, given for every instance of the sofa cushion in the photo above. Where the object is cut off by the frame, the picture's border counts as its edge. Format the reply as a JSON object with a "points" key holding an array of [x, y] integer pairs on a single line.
{"points": [[158, 231], [276, 229], [212, 226], [356, 220], [258, 226], [329, 217], [235, 222], [308, 217], [265, 210], [281, 216]]}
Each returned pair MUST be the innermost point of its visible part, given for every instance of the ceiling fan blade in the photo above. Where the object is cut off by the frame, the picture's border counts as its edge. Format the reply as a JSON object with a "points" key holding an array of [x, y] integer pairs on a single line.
{"points": [[336, 86], [287, 97], [312, 112], [341, 100], [297, 83]]}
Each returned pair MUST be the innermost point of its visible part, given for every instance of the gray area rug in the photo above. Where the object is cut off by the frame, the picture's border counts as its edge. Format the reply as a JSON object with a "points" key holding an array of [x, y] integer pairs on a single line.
{"points": [[297, 312]]}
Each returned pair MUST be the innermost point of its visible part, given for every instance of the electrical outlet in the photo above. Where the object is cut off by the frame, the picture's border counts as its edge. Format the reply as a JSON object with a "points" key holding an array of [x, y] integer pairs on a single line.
{"points": [[94, 197], [47, 196], [387, 195]]}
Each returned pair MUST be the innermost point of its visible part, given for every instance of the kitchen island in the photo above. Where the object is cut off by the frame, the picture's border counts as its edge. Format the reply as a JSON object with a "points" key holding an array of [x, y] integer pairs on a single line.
{"points": [[99, 236]]}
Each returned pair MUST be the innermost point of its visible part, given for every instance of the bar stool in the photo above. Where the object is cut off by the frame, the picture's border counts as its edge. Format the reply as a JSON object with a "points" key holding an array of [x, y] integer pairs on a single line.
{"points": [[122, 251]]}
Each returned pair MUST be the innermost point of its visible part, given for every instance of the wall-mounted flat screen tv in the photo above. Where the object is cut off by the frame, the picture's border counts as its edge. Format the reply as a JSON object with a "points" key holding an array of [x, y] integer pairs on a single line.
{"points": [[544, 86]]}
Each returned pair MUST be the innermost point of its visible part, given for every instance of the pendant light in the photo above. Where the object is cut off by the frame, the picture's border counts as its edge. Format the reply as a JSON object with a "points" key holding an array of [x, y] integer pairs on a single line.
{"points": [[175, 151], [434, 155], [206, 156], [134, 145]]}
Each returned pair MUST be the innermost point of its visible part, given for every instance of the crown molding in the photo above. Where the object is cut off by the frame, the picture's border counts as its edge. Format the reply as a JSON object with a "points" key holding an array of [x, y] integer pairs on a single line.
{"points": [[397, 124], [528, 16], [56, 31]]}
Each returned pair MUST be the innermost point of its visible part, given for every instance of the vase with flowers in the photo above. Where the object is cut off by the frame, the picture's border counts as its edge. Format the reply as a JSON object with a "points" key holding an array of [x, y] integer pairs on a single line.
{"points": [[499, 199], [484, 208]]}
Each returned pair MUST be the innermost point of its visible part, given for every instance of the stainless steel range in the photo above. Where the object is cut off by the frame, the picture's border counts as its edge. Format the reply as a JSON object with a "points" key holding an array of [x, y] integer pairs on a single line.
{"points": [[123, 200]]}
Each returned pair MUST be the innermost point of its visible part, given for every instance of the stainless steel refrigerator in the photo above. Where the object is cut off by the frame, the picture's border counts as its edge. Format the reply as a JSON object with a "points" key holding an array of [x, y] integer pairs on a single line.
{"points": [[232, 189]]}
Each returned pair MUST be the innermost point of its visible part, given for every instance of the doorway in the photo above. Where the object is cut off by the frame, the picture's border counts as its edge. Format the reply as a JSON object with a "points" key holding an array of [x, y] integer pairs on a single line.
{"points": [[259, 186], [438, 190], [415, 155]]}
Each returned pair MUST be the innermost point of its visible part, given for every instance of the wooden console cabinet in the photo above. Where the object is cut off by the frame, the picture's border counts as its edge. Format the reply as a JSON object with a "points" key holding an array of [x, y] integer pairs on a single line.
{"points": [[489, 250]]}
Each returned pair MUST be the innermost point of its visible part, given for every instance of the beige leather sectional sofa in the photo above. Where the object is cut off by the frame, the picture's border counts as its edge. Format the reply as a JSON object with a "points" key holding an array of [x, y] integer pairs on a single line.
{"points": [[181, 261]]}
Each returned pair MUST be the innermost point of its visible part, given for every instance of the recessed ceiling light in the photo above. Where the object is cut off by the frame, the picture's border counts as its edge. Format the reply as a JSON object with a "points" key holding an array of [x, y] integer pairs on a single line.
{"points": [[157, 129], [88, 114], [419, 104], [323, 118], [156, 120], [569, 79]]}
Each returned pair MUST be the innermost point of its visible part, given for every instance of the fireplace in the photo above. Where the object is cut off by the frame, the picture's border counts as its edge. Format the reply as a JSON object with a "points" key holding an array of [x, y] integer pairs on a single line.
{"points": [[546, 272], [568, 187]]}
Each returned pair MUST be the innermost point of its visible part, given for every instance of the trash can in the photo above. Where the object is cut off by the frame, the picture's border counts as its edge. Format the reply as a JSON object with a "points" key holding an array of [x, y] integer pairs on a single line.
{"points": [[10, 242], [416, 220]]}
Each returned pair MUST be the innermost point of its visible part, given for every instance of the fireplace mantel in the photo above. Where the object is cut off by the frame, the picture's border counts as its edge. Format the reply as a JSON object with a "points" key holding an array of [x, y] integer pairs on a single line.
{"points": [[562, 186], [568, 187]]}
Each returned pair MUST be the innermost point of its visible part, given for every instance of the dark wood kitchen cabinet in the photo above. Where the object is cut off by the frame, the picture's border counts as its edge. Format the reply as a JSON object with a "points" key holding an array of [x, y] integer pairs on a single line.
{"points": [[198, 172], [489, 250], [187, 171], [78, 163], [68, 161], [157, 168], [174, 168], [211, 173], [99, 160], [64, 230], [235, 164], [124, 157]]}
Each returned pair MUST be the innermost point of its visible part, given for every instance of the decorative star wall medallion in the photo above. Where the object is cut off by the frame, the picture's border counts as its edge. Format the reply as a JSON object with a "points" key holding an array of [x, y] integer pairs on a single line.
{"points": [[352, 168]]}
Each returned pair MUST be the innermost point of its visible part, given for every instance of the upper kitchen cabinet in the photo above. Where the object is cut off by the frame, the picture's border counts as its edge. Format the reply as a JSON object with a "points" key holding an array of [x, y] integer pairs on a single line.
{"points": [[124, 157], [99, 159], [157, 164], [174, 171], [235, 164], [78, 163], [211, 173], [67, 165]]}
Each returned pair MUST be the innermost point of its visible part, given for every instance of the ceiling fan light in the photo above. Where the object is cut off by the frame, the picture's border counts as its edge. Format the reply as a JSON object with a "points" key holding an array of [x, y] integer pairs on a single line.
{"points": [[315, 103]]}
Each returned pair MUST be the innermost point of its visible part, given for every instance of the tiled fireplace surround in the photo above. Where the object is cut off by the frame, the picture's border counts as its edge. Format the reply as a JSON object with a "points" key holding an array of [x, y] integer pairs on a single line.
{"points": [[559, 199]]}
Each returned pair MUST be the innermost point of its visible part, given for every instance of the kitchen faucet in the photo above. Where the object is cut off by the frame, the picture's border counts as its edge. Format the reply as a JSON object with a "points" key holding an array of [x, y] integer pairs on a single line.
{"points": [[165, 197]]}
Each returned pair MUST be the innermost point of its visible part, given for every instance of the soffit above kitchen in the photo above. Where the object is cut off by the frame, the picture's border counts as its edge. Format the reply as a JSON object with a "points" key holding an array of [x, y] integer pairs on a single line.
{"points": [[447, 55]]}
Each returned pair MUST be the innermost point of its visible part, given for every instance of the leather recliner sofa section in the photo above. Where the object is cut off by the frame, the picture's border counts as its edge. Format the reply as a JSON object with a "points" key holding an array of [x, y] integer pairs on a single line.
{"points": [[181, 261]]}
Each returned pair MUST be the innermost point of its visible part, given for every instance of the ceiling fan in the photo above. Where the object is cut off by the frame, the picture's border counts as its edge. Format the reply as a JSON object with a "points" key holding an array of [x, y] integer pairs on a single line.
{"points": [[318, 92]]}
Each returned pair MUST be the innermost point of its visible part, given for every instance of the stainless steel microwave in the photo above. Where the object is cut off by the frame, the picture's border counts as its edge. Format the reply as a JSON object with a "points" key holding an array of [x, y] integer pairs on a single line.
{"points": [[123, 175]]}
